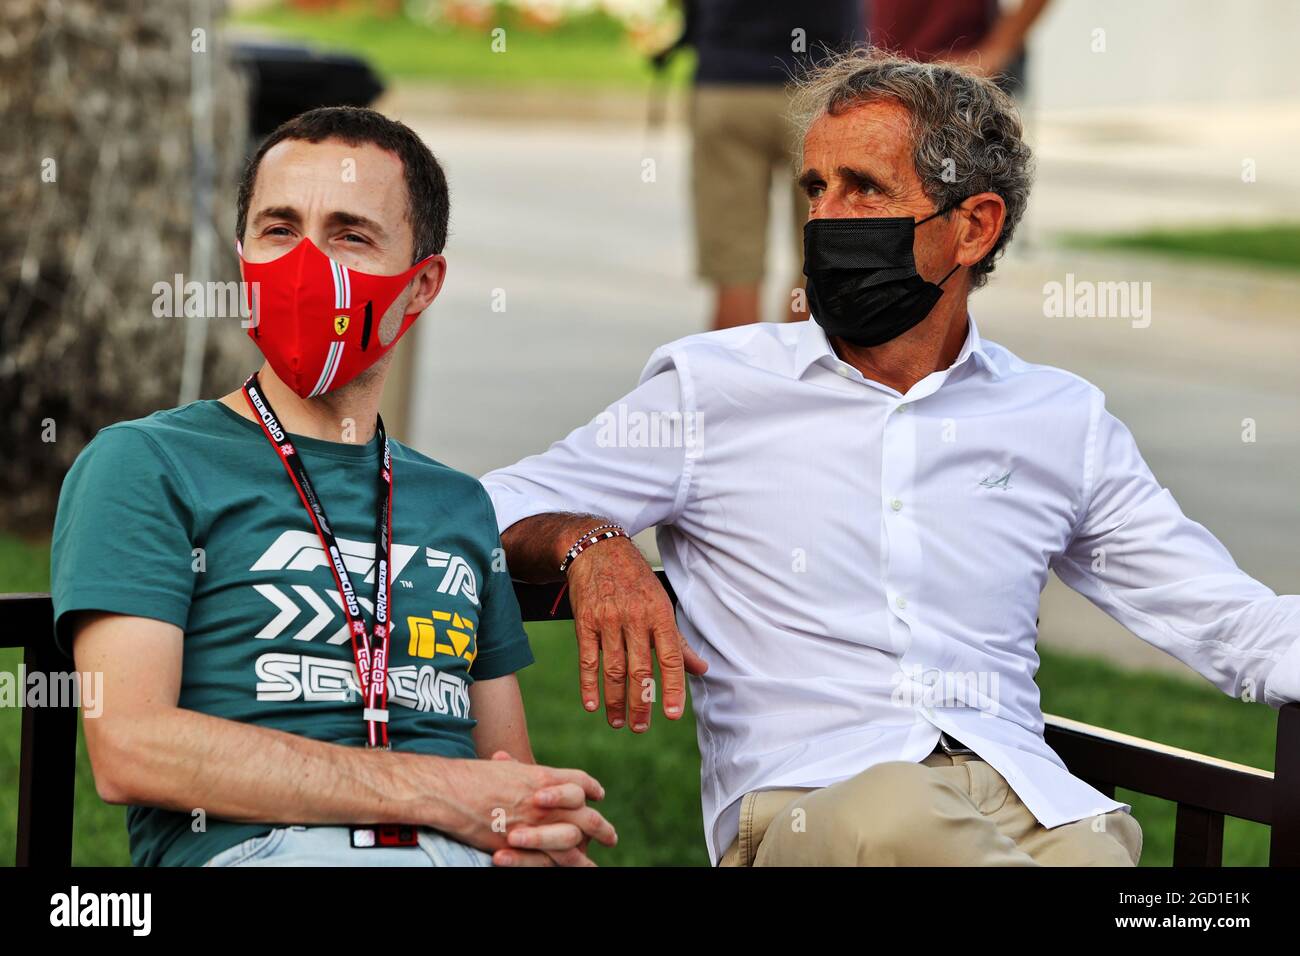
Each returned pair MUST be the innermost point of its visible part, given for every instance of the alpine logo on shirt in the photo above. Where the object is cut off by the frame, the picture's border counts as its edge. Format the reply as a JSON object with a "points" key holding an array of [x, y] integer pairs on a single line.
{"points": [[299, 616]]}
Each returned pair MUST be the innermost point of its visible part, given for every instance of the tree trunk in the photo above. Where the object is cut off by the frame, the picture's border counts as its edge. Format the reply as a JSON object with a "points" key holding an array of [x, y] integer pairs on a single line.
{"points": [[97, 173]]}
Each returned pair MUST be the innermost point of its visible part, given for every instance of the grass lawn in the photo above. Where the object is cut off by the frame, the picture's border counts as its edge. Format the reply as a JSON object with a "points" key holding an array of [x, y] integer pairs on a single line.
{"points": [[587, 51], [652, 781], [1272, 245]]}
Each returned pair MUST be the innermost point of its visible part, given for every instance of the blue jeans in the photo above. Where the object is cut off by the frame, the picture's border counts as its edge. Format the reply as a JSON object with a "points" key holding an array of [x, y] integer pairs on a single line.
{"points": [[332, 846]]}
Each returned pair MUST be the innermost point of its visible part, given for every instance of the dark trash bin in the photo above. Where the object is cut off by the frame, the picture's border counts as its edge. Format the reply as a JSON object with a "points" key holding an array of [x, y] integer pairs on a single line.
{"points": [[287, 79]]}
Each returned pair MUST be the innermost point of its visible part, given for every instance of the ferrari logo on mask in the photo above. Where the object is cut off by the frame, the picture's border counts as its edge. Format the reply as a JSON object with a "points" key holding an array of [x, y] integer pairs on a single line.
{"points": [[340, 324]]}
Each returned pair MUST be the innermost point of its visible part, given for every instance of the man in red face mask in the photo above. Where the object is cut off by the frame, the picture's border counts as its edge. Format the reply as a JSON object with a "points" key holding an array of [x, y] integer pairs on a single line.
{"points": [[310, 658]]}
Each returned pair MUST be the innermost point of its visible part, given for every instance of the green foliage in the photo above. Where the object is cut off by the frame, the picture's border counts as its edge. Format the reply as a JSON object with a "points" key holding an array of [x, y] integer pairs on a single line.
{"points": [[652, 780], [585, 51], [1269, 245], [24, 565]]}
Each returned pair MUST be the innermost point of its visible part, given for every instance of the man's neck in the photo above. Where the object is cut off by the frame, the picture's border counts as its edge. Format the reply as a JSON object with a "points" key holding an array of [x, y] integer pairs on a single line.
{"points": [[929, 346], [345, 415]]}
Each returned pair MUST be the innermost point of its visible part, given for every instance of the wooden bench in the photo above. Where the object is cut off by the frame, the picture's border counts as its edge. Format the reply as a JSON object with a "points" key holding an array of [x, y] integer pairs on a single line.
{"points": [[1205, 789]]}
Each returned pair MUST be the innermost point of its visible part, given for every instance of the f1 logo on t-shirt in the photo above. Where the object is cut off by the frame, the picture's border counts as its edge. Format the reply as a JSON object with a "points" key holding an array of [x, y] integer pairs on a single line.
{"points": [[301, 551]]}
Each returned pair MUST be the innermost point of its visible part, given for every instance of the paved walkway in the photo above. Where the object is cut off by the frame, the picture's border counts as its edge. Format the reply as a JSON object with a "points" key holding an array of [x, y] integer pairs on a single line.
{"points": [[594, 266]]}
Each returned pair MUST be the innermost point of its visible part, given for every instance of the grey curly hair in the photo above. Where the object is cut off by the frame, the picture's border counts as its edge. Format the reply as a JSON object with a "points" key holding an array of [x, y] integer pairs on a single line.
{"points": [[967, 136]]}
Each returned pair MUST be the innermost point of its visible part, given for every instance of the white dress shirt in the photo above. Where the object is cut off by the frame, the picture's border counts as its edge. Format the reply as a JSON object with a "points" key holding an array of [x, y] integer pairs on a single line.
{"points": [[862, 569]]}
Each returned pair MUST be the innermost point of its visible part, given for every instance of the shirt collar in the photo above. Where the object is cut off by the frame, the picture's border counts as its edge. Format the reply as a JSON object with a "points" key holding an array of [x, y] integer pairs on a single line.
{"points": [[813, 346]]}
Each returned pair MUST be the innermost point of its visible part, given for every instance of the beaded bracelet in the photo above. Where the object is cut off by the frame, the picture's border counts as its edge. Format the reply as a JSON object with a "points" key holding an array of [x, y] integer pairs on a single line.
{"points": [[594, 536]]}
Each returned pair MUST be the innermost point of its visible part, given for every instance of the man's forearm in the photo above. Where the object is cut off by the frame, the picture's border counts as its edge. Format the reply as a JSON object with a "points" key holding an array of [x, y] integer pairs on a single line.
{"points": [[535, 547], [183, 760]]}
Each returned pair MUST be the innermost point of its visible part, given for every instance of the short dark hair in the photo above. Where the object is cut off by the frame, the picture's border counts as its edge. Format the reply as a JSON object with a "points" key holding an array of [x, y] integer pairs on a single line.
{"points": [[428, 203]]}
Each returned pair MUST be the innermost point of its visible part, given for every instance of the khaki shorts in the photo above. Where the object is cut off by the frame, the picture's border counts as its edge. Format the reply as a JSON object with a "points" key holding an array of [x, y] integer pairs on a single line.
{"points": [[945, 811], [741, 136]]}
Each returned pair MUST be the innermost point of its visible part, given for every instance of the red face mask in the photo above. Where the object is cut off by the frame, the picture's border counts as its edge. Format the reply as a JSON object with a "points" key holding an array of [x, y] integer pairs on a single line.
{"points": [[316, 320]]}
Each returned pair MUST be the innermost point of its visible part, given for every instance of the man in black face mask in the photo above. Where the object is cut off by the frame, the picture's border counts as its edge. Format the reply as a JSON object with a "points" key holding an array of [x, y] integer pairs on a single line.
{"points": [[873, 237], [862, 279], [858, 514]]}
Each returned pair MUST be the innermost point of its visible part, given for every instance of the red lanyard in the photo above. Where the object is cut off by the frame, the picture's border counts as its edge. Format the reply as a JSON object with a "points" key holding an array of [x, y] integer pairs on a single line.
{"points": [[371, 656]]}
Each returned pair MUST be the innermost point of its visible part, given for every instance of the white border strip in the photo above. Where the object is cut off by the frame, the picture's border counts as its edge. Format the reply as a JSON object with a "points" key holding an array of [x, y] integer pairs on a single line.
{"points": [[328, 370]]}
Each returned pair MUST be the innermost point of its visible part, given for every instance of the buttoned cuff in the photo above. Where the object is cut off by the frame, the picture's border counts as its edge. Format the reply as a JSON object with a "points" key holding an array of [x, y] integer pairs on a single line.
{"points": [[1282, 685]]}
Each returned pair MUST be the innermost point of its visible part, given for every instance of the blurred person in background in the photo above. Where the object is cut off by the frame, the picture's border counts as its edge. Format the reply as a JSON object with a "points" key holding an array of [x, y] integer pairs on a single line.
{"points": [[984, 36], [747, 53]]}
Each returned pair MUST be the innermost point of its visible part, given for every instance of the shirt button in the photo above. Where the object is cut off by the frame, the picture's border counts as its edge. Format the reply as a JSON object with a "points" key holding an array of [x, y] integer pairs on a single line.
{"points": [[896, 505], [843, 371], [900, 602], [901, 408]]}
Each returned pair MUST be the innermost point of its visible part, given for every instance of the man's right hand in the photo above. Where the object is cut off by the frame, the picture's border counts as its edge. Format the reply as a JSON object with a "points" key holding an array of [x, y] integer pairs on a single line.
{"points": [[621, 613], [524, 813], [624, 619]]}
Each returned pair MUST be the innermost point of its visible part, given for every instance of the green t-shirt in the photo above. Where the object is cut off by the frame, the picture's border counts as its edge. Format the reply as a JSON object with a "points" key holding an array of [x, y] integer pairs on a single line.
{"points": [[189, 517]]}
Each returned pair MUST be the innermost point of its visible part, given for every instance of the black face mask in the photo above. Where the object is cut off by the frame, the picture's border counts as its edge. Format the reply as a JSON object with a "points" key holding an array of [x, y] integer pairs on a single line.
{"points": [[862, 281]]}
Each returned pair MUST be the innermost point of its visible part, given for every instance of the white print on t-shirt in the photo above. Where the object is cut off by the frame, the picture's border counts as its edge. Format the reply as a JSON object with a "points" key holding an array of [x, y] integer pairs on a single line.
{"points": [[301, 551], [459, 578], [286, 677]]}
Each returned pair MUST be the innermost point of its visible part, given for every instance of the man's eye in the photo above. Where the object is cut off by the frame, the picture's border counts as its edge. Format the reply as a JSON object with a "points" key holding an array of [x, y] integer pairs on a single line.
{"points": [[815, 192], [278, 231], [353, 236]]}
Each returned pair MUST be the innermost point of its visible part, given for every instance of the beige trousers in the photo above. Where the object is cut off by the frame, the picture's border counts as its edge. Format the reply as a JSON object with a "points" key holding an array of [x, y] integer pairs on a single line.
{"points": [[742, 136], [945, 811]]}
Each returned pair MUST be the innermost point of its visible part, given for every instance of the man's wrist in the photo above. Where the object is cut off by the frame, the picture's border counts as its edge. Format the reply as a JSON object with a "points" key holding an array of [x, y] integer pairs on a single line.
{"points": [[590, 538], [568, 532], [421, 785]]}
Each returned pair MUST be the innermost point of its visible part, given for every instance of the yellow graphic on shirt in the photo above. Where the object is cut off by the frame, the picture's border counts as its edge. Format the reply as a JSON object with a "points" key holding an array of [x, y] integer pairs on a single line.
{"points": [[340, 324], [444, 632]]}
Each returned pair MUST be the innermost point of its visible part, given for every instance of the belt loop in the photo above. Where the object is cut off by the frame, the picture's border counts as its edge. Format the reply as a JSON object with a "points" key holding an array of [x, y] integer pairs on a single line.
{"points": [[747, 852]]}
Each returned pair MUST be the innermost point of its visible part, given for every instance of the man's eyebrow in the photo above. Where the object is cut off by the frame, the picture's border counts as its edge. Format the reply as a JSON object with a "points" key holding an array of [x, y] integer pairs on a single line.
{"points": [[853, 175], [809, 178], [343, 218], [340, 217], [287, 213], [861, 177]]}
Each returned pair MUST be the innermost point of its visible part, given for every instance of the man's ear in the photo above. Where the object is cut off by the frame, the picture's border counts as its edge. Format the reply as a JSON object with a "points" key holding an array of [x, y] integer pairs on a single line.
{"points": [[427, 283], [980, 224]]}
